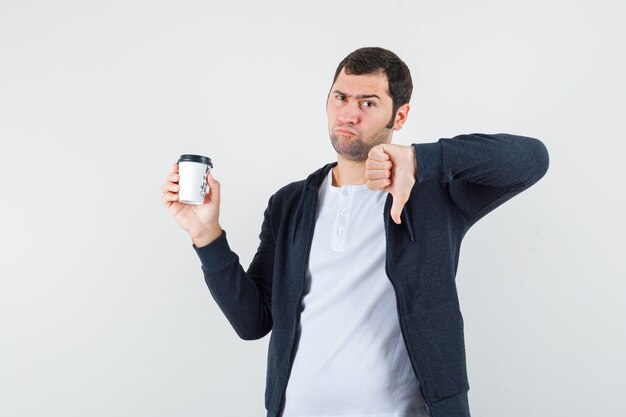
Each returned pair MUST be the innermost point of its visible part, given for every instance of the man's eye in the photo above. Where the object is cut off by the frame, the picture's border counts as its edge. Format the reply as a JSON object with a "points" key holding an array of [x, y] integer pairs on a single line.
{"points": [[369, 104], [339, 96]]}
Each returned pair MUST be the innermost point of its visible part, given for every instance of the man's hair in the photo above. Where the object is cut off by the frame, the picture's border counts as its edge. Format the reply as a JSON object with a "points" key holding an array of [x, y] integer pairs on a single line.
{"points": [[371, 60]]}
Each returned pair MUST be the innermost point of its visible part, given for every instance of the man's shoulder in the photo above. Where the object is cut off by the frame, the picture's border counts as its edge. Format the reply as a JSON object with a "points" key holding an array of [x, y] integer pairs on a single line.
{"points": [[293, 190], [291, 187]]}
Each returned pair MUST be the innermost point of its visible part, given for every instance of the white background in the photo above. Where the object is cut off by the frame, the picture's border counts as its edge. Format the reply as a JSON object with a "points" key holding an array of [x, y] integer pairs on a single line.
{"points": [[103, 306]]}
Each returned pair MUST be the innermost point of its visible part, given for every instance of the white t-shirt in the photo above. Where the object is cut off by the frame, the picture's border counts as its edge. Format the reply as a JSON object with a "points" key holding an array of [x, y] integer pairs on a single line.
{"points": [[351, 358]]}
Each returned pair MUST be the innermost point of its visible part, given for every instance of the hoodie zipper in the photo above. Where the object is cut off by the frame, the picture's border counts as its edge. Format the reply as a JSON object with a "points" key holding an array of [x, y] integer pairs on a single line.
{"points": [[298, 307], [401, 320]]}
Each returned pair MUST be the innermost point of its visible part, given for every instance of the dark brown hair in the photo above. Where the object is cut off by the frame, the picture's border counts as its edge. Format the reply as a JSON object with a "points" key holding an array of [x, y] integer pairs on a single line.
{"points": [[371, 60]]}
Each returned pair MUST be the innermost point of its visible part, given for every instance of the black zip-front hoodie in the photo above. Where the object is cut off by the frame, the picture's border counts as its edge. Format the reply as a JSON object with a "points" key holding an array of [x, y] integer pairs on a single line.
{"points": [[459, 180]]}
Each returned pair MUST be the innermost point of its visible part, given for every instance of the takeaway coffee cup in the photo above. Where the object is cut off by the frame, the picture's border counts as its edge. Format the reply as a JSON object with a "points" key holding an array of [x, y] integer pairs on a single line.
{"points": [[193, 171]]}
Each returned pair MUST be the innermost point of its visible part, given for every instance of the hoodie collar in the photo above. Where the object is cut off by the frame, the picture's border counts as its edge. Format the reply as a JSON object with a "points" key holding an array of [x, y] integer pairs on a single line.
{"points": [[313, 183]]}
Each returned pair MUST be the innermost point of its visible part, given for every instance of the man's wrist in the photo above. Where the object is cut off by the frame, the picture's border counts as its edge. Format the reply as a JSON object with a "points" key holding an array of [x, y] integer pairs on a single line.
{"points": [[208, 237]]}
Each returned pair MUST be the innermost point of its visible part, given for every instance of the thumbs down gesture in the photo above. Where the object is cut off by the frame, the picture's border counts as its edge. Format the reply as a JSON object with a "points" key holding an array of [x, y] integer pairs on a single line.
{"points": [[392, 168]]}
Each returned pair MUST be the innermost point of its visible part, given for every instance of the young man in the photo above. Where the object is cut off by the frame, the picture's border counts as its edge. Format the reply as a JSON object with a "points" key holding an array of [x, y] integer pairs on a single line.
{"points": [[355, 270]]}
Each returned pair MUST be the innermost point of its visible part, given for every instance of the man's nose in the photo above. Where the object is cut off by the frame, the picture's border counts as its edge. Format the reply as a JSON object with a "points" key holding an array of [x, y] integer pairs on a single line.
{"points": [[349, 113]]}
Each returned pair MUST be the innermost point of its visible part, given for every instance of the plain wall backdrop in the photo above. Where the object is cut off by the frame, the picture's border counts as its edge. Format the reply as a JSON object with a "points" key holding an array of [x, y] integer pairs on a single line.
{"points": [[103, 306]]}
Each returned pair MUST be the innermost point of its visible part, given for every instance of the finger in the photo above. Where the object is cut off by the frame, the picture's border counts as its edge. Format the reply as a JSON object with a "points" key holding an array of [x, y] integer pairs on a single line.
{"points": [[377, 174], [172, 196], [374, 164], [377, 153], [173, 177], [378, 184], [214, 187], [212, 181], [397, 207], [175, 167], [170, 186], [169, 197]]}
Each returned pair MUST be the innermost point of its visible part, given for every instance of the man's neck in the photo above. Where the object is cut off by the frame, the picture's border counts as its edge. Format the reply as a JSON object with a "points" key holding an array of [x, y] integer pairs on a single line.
{"points": [[348, 172]]}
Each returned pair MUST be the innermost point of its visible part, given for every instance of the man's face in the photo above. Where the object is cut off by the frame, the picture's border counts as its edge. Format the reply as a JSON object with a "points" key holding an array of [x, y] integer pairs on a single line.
{"points": [[359, 108]]}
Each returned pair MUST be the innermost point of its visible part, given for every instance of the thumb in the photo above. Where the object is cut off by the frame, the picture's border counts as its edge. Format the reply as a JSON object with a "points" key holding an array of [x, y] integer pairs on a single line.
{"points": [[396, 207], [213, 193]]}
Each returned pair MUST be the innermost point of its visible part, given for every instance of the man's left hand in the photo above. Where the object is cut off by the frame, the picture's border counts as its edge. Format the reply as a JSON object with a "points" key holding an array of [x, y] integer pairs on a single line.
{"points": [[392, 168]]}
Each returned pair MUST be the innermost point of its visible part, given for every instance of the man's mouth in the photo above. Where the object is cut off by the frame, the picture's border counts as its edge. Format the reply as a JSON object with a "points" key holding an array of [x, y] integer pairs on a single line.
{"points": [[345, 132]]}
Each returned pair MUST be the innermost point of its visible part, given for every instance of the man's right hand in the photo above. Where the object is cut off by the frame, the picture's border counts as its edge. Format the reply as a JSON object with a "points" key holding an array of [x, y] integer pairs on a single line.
{"points": [[200, 221]]}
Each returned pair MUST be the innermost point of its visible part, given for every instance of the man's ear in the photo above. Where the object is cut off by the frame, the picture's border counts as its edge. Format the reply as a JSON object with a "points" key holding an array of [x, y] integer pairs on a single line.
{"points": [[401, 115]]}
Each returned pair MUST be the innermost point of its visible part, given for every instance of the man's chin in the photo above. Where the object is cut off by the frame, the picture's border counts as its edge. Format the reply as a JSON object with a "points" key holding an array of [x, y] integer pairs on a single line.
{"points": [[358, 158], [351, 154], [349, 147]]}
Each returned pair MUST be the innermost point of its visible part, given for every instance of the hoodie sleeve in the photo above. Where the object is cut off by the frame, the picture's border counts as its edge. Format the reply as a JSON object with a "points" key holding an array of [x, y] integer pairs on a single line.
{"points": [[482, 171], [243, 296]]}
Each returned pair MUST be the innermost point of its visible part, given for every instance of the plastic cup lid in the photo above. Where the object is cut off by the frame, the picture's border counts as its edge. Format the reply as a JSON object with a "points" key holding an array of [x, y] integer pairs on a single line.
{"points": [[196, 158]]}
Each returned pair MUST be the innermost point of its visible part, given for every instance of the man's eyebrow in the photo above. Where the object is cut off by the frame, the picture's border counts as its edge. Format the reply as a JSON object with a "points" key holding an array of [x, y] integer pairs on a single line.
{"points": [[360, 96]]}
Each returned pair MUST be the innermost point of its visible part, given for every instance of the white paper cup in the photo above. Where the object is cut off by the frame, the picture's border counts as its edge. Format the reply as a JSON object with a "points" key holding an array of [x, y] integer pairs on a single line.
{"points": [[193, 171]]}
